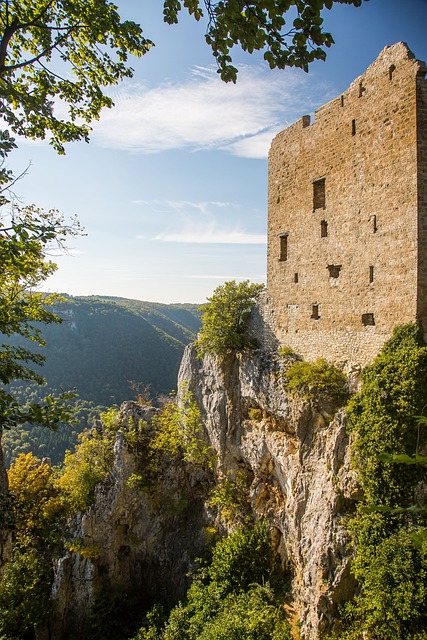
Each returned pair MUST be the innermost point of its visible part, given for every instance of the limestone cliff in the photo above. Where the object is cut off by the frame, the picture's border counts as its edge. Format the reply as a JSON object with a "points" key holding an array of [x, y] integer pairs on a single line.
{"points": [[296, 454]]}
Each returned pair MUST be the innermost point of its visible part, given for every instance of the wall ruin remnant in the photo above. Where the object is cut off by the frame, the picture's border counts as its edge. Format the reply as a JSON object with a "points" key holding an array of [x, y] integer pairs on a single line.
{"points": [[347, 231]]}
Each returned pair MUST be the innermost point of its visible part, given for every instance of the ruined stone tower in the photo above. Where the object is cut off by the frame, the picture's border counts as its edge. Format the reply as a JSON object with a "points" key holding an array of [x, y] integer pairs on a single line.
{"points": [[347, 233]]}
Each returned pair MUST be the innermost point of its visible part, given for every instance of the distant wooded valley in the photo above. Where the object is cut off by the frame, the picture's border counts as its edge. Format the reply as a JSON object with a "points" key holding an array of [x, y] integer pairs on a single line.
{"points": [[108, 350]]}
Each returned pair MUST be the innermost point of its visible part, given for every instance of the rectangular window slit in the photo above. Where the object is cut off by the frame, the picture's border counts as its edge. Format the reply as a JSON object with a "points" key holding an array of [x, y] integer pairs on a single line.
{"points": [[295, 278], [374, 223], [283, 247], [353, 127], [371, 274], [342, 101], [391, 70], [315, 311], [319, 199], [368, 319], [323, 229]]}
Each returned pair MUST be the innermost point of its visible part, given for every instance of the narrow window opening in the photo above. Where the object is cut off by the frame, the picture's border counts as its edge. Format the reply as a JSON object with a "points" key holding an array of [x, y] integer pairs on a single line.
{"points": [[283, 247], [315, 312], [353, 127], [371, 274], [361, 89], [374, 223], [323, 229], [319, 199], [368, 320], [391, 70], [295, 278], [334, 270], [342, 101]]}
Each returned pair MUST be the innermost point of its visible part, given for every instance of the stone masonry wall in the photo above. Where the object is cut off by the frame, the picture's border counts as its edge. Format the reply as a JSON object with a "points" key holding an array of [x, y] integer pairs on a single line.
{"points": [[348, 215]]}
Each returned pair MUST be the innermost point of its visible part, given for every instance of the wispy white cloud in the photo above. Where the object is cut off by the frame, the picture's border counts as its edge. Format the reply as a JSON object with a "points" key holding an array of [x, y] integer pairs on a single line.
{"points": [[201, 222], [204, 113], [222, 277], [203, 206], [212, 234]]}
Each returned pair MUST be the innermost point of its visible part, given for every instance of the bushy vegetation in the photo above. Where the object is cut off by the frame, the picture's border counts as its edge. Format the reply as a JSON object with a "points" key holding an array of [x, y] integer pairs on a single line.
{"points": [[389, 529], [318, 379], [225, 316], [230, 598], [36, 514]]}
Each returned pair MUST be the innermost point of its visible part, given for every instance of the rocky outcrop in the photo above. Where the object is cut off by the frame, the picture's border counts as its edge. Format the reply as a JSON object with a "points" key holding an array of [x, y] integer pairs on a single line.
{"points": [[130, 542], [295, 453], [294, 456]]}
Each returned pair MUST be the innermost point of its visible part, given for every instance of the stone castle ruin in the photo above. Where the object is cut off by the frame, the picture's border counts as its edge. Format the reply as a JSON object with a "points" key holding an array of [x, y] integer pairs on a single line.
{"points": [[347, 231]]}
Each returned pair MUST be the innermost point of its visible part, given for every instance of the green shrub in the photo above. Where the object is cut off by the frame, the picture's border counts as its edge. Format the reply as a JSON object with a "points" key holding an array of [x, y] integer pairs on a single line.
{"points": [[255, 414], [393, 571], [243, 558], [231, 498], [287, 352], [383, 419], [178, 431], [224, 318], [85, 468], [317, 379]]}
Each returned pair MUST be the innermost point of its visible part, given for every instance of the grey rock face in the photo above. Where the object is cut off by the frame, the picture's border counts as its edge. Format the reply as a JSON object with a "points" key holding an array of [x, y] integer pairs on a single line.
{"points": [[297, 456]]}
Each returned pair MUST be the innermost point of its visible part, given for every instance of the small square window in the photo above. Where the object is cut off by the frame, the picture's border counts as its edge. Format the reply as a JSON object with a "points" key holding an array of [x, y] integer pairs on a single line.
{"points": [[334, 270], [368, 319]]}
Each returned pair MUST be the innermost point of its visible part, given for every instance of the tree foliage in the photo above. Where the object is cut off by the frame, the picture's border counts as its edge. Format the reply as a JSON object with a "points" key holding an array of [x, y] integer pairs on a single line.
{"points": [[289, 32], [230, 597], [389, 528], [383, 417], [38, 515], [225, 316], [24, 594], [59, 55], [38, 509], [86, 467], [25, 237]]}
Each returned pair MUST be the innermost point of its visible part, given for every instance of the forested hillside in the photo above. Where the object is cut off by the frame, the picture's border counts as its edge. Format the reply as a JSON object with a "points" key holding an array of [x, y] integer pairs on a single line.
{"points": [[105, 349]]}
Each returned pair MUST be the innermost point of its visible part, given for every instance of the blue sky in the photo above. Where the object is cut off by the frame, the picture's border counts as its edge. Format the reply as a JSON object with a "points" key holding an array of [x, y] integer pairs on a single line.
{"points": [[172, 189]]}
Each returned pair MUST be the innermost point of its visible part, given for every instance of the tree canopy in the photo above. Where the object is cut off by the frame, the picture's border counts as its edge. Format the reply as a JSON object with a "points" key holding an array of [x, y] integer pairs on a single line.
{"points": [[288, 31], [225, 316], [61, 53], [24, 240]]}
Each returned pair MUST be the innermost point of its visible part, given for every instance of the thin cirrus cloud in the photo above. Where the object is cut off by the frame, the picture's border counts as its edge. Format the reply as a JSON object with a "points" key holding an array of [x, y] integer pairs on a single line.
{"points": [[212, 234], [192, 228], [203, 112]]}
